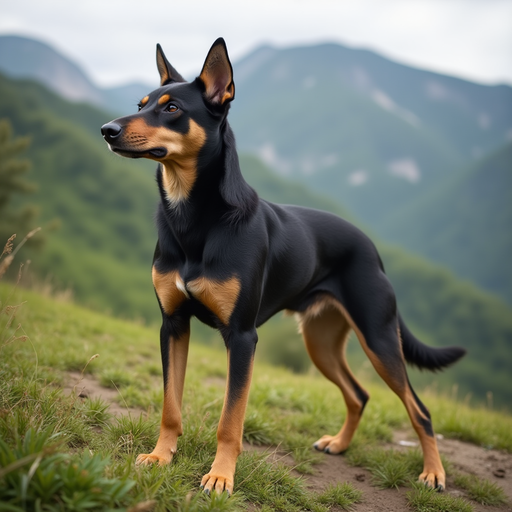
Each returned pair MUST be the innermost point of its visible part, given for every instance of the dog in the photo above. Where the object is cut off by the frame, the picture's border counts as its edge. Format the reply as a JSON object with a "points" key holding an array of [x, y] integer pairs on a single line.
{"points": [[233, 260]]}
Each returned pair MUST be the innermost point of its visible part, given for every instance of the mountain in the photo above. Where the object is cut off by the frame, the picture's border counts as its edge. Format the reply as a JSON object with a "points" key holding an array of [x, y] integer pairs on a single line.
{"points": [[22, 57], [467, 224], [104, 247], [368, 131]]}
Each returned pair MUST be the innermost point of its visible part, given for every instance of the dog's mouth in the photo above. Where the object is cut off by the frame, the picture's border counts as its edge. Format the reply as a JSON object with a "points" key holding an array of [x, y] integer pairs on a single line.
{"points": [[154, 153]]}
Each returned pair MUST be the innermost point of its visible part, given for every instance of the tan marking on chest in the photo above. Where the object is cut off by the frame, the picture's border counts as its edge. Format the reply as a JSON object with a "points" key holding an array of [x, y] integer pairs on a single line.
{"points": [[180, 168], [166, 286], [219, 297]]}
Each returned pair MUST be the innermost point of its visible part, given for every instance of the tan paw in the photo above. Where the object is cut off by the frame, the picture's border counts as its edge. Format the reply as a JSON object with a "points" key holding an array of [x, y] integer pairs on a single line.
{"points": [[215, 482], [331, 444], [434, 479], [145, 459]]}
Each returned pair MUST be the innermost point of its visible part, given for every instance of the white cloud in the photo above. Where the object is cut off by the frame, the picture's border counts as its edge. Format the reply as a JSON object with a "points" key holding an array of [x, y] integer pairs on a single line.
{"points": [[357, 178], [405, 168]]}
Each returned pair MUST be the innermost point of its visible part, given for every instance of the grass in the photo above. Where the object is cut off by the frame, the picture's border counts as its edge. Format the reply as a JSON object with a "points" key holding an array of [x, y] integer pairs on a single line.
{"points": [[285, 410], [422, 499], [481, 490]]}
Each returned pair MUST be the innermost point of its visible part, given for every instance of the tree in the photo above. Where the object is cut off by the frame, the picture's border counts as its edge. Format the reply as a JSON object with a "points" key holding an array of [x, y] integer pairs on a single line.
{"points": [[14, 219]]}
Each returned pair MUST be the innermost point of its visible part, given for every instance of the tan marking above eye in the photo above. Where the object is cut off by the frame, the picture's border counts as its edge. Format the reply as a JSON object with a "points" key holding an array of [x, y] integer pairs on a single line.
{"points": [[219, 297], [169, 294], [163, 99]]}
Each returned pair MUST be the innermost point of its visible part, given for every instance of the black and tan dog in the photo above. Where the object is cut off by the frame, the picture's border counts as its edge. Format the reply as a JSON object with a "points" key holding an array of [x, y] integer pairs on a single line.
{"points": [[234, 260]]}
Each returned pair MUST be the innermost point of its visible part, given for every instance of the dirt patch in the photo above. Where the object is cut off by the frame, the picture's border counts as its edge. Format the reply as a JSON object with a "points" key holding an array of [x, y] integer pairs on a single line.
{"points": [[334, 469], [86, 386], [492, 465]]}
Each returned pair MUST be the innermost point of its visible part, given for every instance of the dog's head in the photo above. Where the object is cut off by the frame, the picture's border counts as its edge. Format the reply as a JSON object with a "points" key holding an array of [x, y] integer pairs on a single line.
{"points": [[176, 120]]}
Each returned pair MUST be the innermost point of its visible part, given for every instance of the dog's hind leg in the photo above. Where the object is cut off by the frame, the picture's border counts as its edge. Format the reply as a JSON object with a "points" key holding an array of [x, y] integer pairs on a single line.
{"points": [[378, 331], [325, 333]]}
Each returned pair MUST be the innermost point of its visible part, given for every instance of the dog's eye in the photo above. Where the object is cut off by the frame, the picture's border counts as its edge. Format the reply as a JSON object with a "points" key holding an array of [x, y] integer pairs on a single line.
{"points": [[171, 108]]}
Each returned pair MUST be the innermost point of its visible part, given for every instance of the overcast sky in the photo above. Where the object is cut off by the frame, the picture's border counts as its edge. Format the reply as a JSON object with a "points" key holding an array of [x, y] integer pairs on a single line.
{"points": [[114, 41]]}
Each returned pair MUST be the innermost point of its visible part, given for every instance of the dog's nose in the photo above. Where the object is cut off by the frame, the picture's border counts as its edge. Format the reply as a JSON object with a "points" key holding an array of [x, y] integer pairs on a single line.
{"points": [[110, 131]]}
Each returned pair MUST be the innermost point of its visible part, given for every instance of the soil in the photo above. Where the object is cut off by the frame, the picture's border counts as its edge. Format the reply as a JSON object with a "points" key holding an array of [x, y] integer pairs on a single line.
{"points": [[492, 465]]}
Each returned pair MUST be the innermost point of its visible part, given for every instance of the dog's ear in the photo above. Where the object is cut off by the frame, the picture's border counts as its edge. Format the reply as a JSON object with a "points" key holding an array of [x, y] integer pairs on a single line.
{"points": [[217, 74], [167, 73]]}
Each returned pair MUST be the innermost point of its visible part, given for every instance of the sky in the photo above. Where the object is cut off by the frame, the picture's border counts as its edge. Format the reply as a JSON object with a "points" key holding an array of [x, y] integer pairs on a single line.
{"points": [[114, 41]]}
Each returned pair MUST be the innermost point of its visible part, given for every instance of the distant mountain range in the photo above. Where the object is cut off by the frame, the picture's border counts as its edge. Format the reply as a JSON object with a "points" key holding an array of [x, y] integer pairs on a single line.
{"points": [[393, 144], [368, 131], [22, 57]]}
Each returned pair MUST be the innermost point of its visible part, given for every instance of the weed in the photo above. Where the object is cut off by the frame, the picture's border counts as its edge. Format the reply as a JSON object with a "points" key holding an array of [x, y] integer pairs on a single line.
{"points": [[481, 491], [424, 499], [343, 495], [115, 378], [132, 436], [96, 412], [256, 430], [36, 476], [389, 468]]}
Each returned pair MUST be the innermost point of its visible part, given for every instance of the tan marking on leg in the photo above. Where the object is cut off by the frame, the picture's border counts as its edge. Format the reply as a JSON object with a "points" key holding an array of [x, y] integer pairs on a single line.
{"points": [[433, 471], [218, 296], [163, 99], [325, 331], [229, 440], [433, 474], [171, 426], [169, 294]]}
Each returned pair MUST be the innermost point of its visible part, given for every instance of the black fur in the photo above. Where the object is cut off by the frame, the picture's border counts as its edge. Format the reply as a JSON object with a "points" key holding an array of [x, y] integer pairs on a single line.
{"points": [[282, 256]]}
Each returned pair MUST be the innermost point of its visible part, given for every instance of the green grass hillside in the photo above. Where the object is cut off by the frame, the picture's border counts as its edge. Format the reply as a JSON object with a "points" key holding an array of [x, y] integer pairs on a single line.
{"points": [[465, 225], [70, 453], [103, 248]]}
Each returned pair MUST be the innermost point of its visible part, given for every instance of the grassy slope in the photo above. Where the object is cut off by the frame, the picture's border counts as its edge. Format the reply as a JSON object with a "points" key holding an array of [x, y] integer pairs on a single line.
{"points": [[284, 409], [103, 249]]}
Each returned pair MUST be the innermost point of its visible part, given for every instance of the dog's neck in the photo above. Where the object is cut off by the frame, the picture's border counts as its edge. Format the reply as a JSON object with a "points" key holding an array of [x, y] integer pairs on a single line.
{"points": [[213, 192]]}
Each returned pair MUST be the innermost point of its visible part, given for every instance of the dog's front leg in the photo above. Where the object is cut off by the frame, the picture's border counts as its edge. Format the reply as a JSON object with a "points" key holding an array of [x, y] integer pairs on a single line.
{"points": [[174, 342], [241, 348]]}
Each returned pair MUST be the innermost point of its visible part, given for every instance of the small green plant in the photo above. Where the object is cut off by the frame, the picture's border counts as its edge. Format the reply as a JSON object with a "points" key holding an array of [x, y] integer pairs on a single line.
{"points": [[424, 499], [343, 495], [96, 412], [132, 436], [480, 490], [256, 430], [115, 379], [35, 475], [389, 468]]}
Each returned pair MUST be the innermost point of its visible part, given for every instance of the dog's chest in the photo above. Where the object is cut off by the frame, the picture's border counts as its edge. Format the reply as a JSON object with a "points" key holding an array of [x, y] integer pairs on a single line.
{"points": [[219, 296]]}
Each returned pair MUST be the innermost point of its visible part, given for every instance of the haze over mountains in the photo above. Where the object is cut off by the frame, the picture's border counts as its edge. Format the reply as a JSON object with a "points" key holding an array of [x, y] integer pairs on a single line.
{"points": [[22, 57]]}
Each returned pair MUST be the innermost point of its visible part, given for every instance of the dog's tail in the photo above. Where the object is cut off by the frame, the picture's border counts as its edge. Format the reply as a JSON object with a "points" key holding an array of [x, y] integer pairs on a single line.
{"points": [[424, 357]]}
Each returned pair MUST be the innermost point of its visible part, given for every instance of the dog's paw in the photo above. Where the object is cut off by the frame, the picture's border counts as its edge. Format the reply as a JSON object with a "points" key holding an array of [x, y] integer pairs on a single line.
{"points": [[216, 482], [333, 445], [146, 459], [436, 479]]}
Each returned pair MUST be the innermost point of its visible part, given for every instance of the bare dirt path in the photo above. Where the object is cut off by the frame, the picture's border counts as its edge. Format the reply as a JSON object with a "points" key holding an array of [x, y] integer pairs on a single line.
{"points": [[492, 465]]}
